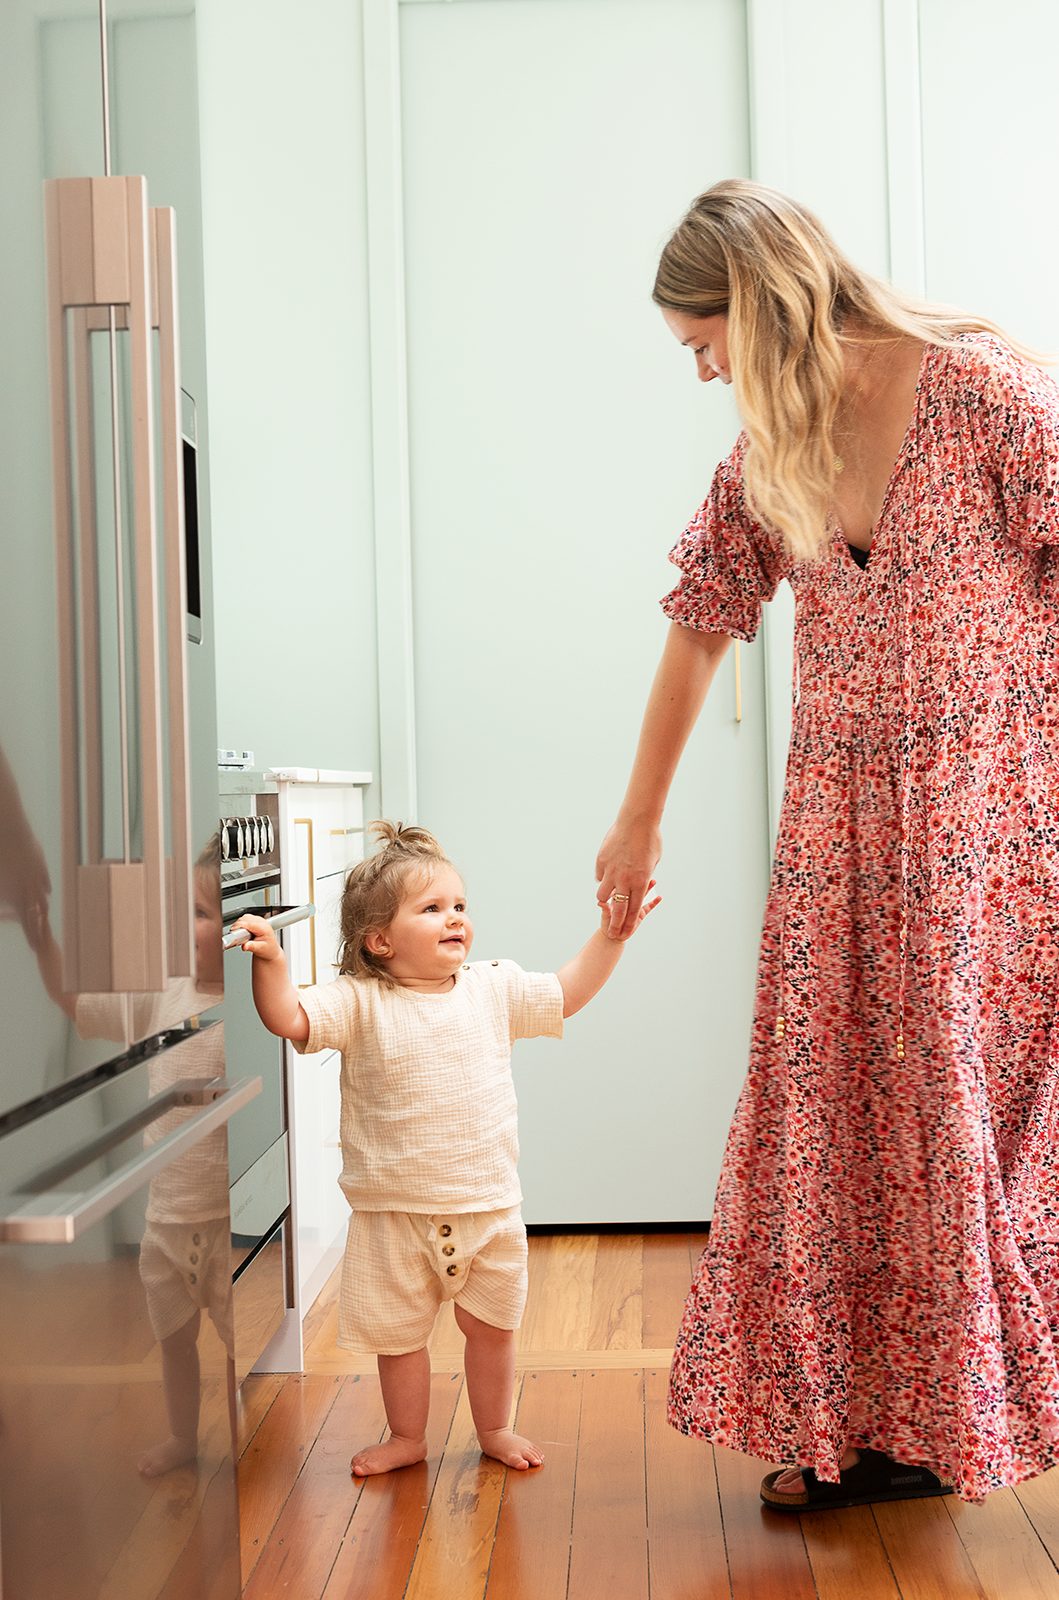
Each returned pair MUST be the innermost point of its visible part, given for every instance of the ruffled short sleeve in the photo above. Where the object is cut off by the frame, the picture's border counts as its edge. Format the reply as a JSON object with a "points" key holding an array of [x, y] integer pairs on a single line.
{"points": [[729, 563], [1015, 415]]}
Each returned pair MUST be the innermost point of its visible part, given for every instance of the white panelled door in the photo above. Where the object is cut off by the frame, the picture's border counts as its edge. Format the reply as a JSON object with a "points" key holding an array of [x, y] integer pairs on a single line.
{"points": [[990, 132], [558, 442]]}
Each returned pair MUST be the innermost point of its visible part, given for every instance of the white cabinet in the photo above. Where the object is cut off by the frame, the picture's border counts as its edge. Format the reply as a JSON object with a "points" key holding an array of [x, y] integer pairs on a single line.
{"points": [[321, 822]]}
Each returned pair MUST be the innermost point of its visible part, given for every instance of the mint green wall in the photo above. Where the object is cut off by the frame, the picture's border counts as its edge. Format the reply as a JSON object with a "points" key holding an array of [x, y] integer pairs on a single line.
{"points": [[281, 104], [559, 441]]}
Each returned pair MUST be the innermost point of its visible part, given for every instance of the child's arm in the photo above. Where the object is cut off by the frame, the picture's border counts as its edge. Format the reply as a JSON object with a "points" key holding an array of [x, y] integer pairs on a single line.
{"points": [[589, 970], [275, 996]]}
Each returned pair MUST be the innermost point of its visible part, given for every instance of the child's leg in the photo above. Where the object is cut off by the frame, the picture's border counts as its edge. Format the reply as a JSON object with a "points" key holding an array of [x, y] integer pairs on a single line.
{"points": [[180, 1377], [489, 1362], [405, 1382]]}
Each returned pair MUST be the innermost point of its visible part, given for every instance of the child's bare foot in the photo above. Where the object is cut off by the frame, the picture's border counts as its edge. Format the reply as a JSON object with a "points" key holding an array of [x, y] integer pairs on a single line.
{"points": [[166, 1457], [386, 1457], [510, 1448]]}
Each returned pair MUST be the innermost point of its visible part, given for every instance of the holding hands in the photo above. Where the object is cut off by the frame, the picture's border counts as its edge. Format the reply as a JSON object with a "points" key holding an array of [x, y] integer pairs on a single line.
{"points": [[626, 859]]}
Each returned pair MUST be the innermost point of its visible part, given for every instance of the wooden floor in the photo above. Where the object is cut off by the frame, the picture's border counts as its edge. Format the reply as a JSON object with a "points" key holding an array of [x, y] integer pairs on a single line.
{"points": [[624, 1509]]}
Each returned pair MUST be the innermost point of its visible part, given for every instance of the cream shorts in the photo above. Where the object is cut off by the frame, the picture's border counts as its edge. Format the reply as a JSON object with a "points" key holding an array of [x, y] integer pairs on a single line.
{"points": [[187, 1267], [400, 1267]]}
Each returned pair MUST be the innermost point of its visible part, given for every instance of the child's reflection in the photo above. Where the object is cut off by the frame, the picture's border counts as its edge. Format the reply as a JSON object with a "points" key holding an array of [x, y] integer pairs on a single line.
{"points": [[185, 1253]]}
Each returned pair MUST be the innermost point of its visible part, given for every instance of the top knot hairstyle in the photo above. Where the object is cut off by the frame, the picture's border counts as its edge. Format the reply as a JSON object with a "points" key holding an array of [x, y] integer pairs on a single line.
{"points": [[375, 888], [792, 300]]}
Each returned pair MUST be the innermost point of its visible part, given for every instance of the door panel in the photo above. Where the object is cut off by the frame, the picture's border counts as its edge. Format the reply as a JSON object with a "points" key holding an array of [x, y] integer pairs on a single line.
{"points": [[558, 445]]}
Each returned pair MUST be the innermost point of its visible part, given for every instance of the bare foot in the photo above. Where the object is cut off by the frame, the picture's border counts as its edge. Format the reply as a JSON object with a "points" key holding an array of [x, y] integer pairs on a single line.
{"points": [[510, 1448], [792, 1482], [386, 1457], [163, 1458]]}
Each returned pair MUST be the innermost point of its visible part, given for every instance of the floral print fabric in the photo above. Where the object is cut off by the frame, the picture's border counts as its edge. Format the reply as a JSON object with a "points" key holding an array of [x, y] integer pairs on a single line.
{"points": [[883, 1264]]}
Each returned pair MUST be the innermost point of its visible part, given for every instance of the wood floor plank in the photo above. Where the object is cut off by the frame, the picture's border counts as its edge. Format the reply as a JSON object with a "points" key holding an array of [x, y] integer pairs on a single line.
{"points": [[616, 1320], [1039, 1498], [686, 1551], [666, 1281], [321, 1341], [272, 1461], [531, 1553], [255, 1396], [305, 1541], [559, 1307], [847, 1555], [347, 1364], [323, 1308], [1009, 1559], [925, 1551], [380, 1543], [767, 1558], [446, 1342], [452, 1561], [608, 1556]]}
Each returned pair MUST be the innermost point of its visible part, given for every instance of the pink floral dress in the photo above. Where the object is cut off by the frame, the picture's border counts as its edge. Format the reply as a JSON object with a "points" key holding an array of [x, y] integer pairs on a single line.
{"points": [[883, 1264]]}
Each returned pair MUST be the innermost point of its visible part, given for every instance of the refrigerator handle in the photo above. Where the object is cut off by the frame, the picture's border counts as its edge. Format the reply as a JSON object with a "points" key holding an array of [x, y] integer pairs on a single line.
{"points": [[115, 919], [179, 890], [60, 1216]]}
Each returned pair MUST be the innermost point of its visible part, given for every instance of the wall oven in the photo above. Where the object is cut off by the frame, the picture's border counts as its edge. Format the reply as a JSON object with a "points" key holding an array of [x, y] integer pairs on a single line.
{"points": [[259, 1162]]}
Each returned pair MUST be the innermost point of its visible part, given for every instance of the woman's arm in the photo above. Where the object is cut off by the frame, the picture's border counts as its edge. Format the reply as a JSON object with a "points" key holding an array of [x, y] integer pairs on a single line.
{"points": [[631, 849]]}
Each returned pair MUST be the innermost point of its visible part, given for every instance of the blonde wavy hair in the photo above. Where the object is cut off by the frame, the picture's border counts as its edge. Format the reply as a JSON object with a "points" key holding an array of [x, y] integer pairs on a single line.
{"points": [[792, 300], [375, 888]]}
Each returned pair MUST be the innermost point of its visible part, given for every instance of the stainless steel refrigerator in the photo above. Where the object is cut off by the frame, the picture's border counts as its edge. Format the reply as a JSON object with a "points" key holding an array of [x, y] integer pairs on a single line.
{"points": [[116, 1397]]}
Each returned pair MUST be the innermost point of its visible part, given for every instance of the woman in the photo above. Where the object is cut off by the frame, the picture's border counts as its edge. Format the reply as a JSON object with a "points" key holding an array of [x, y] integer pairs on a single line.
{"points": [[879, 1299]]}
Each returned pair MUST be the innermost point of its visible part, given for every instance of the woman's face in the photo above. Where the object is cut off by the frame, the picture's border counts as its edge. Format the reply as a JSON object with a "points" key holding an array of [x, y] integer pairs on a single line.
{"points": [[706, 338]]}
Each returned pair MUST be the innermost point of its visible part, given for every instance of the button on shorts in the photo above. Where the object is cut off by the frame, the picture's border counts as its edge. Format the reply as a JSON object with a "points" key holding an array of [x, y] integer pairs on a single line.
{"points": [[399, 1268]]}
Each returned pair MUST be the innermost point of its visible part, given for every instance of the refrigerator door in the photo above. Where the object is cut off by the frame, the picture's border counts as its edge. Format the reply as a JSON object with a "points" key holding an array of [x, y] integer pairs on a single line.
{"points": [[117, 1476], [109, 875]]}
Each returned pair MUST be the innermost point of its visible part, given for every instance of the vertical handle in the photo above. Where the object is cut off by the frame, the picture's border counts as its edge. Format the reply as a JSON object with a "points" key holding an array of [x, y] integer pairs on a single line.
{"points": [[114, 920], [180, 895], [310, 894]]}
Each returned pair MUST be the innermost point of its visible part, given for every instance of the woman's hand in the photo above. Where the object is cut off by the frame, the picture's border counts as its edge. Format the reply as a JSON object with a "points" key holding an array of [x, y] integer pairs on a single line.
{"points": [[626, 860], [631, 923]]}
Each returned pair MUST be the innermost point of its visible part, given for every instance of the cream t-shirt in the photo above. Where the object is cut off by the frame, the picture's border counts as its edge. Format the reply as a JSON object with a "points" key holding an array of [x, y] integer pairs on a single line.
{"points": [[428, 1102]]}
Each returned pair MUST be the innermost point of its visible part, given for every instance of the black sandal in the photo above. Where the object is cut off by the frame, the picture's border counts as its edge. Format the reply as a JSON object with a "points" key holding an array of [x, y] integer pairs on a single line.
{"points": [[875, 1477]]}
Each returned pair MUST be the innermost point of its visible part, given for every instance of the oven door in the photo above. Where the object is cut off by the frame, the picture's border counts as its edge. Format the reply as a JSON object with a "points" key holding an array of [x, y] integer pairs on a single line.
{"points": [[250, 1048]]}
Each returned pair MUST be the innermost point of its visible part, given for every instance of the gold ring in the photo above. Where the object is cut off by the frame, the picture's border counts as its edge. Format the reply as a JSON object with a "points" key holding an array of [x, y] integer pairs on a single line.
{"points": [[619, 897]]}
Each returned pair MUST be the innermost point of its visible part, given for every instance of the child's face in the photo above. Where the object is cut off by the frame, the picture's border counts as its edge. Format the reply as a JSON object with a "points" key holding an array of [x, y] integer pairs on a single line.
{"points": [[430, 937], [209, 951]]}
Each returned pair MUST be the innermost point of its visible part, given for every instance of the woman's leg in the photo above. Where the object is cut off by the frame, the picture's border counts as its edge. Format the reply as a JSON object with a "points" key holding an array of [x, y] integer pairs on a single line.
{"points": [[489, 1362]]}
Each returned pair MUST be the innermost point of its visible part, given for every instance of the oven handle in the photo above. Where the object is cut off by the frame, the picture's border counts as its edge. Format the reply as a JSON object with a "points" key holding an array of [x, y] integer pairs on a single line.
{"points": [[282, 919], [61, 1216]]}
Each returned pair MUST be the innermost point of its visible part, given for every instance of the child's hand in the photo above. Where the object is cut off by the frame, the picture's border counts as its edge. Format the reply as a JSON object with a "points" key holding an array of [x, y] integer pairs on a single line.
{"points": [[645, 910], [264, 944]]}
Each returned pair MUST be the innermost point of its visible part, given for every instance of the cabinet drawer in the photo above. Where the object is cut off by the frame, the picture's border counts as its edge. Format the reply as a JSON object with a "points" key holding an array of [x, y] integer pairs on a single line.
{"points": [[314, 944], [326, 830]]}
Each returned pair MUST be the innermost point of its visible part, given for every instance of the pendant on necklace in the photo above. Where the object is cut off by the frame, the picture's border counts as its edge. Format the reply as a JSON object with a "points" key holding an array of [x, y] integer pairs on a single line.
{"points": [[840, 465]]}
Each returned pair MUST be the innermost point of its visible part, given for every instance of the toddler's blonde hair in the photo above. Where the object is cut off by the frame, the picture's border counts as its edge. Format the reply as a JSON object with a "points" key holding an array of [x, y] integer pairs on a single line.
{"points": [[375, 888]]}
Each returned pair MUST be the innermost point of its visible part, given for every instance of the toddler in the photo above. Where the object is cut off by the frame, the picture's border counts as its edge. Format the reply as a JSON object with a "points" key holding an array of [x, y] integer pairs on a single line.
{"points": [[428, 1127]]}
